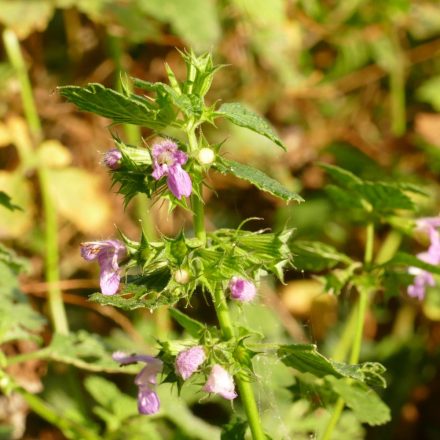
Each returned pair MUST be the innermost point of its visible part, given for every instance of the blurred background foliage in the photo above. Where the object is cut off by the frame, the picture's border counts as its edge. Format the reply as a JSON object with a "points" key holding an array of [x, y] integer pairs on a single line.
{"points": [[355, 83]]}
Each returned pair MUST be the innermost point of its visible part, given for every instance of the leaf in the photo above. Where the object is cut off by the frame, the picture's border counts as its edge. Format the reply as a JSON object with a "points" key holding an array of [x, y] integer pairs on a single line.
{"points": [[79, 197], [26, 16], [258, 178], [316, 256], [235, 429], [367, 406], [402, 258], [307, 359], [117, 406], [429, 92], [5, 201], [195, 21], [19, 321], [384, 197], [341, 176], [239, 115], [83, 350], [192, 326], [119, 108]]}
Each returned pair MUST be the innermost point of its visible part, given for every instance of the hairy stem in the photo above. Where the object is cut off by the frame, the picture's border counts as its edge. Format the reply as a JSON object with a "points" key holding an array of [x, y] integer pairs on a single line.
{"points": [[222, 311], [55, 299]]}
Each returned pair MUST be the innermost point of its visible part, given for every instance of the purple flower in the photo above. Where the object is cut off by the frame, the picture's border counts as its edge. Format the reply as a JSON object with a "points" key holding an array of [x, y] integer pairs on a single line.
{"points": [[188, 361], [168, 161], [220, 382], [112, 159], [146, 380], [108, 253], [423, 278], [241, 289]]}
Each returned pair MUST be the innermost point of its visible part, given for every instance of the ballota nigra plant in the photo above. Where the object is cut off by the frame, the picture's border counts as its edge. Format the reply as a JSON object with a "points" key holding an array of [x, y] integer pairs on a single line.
{"points": [[228, 264]]}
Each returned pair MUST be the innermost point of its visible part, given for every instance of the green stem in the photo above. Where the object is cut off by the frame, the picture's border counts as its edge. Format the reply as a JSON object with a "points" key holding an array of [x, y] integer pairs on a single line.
{"points": [[47, 413], [336, 414], [223, 316], [356, 323], [397, 88], [12, 47], [244, 386], [56, 305]]}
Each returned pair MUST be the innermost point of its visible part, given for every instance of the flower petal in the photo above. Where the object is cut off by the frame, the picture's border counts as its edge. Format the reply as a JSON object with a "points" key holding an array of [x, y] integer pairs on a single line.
{"points": [[179, 182]]}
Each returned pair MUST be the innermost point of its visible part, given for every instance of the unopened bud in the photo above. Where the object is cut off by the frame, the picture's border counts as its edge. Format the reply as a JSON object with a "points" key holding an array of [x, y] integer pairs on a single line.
{"points": [[112, 159], [206, 156], [181, 276]]}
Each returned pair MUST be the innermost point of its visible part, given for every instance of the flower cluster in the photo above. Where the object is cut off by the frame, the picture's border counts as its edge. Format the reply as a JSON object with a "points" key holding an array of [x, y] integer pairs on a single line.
{"points": [[422, 278], [219, 381], [146, 380], [168, 161], [108, 253]]}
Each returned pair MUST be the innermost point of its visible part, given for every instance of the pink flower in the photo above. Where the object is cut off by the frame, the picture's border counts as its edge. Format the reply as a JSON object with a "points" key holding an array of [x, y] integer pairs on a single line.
{"points": [[108, 253], [220, 382], [423, 278], [188, 361], [112, 159], [168, 161], [146, 380], [241, 289]]}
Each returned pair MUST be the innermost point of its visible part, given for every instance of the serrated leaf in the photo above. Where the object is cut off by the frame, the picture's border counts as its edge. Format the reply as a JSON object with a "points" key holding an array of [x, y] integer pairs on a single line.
{"points": [[316, 256], [343, 177], [240, 115], [384, 197], [307, 359], [192, 326], [258, 178], [133, 109], [367, 406]]}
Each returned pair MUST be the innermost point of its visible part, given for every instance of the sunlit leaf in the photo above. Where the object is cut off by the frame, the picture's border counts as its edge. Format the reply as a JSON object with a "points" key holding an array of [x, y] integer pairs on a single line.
{"points": [[258, 178], [240, 115]]}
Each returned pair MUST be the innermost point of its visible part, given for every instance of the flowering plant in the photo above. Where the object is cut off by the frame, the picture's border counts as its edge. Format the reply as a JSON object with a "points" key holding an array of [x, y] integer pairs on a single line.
{"points": [[228, 267]]}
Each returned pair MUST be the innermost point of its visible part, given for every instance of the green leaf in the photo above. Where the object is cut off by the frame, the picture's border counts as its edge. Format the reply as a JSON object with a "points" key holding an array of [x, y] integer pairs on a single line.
{"points": [[18, 320], [119, 108], [258, 178], [117, 406], [316, 256], [384, 197], [239, 115], [307, 359], [367, 406], [195, 21], [5, 201], [192, 326], [83, 350], [341, 176], [402, 258], [429, 92], [234, 430]]}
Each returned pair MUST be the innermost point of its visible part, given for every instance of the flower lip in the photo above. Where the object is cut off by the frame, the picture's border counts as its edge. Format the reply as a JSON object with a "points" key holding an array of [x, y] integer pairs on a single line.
{"points": [[108, 253], [146, 379], [242, 289], [220, 382], [188, 361], [168, 161], [112, 159]]}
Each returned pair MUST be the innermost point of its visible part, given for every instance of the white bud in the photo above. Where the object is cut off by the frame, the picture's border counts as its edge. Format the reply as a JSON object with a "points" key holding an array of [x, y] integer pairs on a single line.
{"points": [[206, 156], [181, 276]]}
